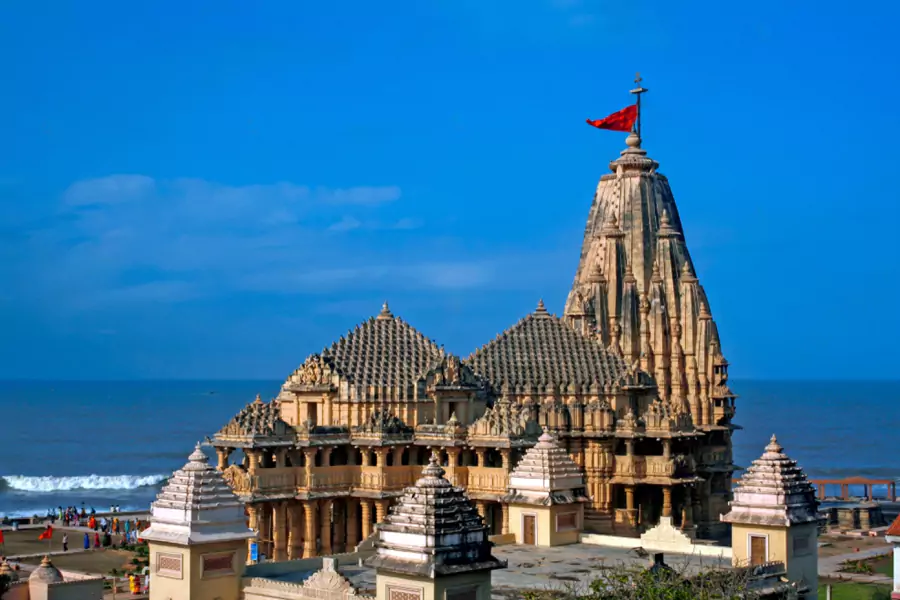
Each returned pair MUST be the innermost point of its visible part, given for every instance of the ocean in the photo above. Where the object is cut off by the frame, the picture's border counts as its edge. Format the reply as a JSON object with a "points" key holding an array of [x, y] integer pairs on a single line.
{"points": [[101, 443]]}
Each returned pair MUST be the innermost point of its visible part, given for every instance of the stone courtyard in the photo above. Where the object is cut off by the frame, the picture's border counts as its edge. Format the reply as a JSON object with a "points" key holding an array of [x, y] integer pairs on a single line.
{"points": [[534, 567]]}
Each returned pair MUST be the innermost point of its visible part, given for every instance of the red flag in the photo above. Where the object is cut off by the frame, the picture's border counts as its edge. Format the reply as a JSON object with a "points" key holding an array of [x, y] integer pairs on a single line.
{"points": [[1, 536], [618, 121], [48, 533]]}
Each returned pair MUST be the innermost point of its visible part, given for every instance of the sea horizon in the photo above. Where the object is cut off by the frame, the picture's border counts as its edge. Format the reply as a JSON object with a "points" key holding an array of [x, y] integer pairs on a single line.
{"points": [[105, 442]]}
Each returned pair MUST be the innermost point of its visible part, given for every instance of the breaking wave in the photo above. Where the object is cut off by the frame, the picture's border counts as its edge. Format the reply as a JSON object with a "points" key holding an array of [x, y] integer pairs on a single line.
{"points": [[50, 483]]}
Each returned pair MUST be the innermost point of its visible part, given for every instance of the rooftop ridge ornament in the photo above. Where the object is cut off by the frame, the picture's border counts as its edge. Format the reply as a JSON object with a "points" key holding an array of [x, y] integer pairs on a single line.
{"points": [[637, 92], [385, 313]]}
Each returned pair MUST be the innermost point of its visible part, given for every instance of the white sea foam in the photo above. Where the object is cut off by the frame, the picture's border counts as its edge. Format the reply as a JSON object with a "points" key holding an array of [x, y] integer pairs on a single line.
{"points": [[25, 483]]}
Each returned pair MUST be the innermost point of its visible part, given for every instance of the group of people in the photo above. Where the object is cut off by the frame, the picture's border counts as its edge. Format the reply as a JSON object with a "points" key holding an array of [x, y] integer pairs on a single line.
{"points": [[138, 584], [70, 516]]}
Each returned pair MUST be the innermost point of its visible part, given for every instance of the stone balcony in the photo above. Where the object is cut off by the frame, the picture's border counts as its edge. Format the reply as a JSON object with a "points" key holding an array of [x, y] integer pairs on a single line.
{"points": [[277, 481], [282, 482], [487, 481]]}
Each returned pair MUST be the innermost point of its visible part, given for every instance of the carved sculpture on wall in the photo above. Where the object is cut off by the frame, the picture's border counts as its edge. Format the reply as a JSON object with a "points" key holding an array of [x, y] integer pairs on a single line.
{"points": [[312, 372], [505, 419], [382, 422], [237, 478]]}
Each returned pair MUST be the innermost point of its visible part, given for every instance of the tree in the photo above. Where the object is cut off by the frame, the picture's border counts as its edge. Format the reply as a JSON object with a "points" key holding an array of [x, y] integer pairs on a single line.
{"points": [[659, 582]]}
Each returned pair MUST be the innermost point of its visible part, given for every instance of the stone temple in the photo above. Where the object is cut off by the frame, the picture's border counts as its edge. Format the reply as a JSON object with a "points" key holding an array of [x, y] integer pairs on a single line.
{"points": [[631, 383]]}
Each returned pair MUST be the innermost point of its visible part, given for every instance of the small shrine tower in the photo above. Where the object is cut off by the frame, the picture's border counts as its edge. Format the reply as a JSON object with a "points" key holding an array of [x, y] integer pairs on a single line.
{"points": [[546, 492], [774, 519], [198, 536], [433, 545]]}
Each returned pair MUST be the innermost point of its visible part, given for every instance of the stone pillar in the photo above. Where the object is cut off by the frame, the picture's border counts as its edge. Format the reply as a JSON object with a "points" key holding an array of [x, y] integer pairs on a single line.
{"points": [[365, 453], [452, 460], [222, 454], [252, 523], [325, 519], [667, 449], [481, 507], [326, 410], [629, 447], [309, 454], [281, 457], [481, 453], [381, 457], [264, 522], [253, 457], [279, 531], [687, 516], [295, 543], [326, 456], [352, 524], [366, 506], [667, 501], [413, 455], [339, 509], [629, 504], [504, 453], [381, 508], [309, 537], [398, 455], [505, 526], [576, 451]]}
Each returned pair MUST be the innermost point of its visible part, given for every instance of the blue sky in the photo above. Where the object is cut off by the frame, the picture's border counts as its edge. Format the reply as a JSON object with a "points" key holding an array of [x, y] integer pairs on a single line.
{"points": [[198, 192]]}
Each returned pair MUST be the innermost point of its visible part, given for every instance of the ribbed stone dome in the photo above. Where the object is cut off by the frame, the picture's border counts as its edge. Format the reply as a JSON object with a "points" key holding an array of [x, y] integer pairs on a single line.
{"points": [[774, 491], [46, 573], [433, 529]]}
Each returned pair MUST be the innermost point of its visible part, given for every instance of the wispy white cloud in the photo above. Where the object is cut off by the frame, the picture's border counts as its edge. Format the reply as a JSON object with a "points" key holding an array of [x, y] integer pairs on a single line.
{"points": [[129, 239]]}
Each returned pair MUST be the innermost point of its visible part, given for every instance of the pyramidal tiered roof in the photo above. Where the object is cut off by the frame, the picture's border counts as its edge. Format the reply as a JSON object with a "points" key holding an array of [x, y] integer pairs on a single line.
{"points": [[196, 506], [433, 530], [258, 423], [546, 475], [541, 350], [774, 491], [381, 351]]}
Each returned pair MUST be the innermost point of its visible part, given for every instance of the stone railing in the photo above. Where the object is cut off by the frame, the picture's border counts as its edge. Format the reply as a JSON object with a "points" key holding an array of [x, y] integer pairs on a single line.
{"points": [[487, 480], [278, 479], [386, 478], [640, 467], [322, 479], [458, 476], [659, 466]]}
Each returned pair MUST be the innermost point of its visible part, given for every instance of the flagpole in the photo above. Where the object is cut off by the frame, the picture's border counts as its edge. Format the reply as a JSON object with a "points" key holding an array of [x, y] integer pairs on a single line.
{"points": [[638, 91]]}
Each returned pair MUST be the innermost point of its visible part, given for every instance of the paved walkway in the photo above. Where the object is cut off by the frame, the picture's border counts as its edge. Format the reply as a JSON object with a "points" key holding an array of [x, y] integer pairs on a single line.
{"points": [[830, 566]]}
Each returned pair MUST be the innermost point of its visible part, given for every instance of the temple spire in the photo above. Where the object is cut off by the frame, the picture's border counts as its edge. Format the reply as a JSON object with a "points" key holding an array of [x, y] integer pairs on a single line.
{"points": [[638, 91]]}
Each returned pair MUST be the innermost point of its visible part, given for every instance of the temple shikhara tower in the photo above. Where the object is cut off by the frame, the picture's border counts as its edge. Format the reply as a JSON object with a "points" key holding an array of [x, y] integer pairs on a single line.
{"points": [[630, 382]]}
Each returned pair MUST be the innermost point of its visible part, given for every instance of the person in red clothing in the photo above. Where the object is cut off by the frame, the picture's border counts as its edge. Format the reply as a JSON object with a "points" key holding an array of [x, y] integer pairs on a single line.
{"points": [[96, 540]]}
